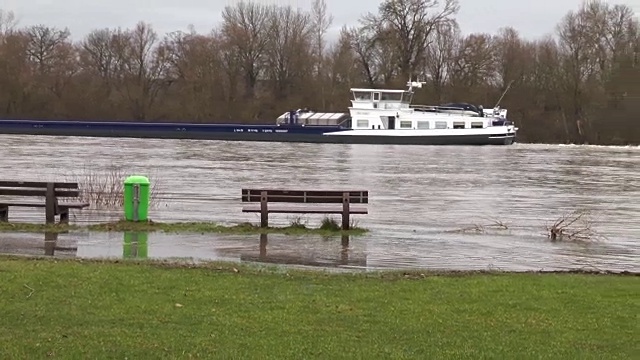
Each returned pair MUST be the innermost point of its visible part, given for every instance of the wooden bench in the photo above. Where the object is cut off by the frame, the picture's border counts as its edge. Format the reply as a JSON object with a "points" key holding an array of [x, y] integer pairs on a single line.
{"points": [[266, 196], [51, 191]]}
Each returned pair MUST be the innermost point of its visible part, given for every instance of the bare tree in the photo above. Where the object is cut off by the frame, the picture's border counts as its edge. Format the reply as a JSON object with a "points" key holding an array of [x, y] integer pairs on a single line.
{"points": [[375, 54], [407, 25], [439, 57], [474, 67], [8, 23], [146, 70], [343, 65], [594, 40], [195, 65], [103, 53], [43, 42], [232, 65], [246, 31], [53, 63], [513, 58], [287, 51], [321, 21], [15, 74]]}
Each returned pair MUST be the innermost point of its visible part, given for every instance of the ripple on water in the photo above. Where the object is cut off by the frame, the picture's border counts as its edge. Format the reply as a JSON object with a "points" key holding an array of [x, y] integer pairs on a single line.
{"points": [[419, 196]]}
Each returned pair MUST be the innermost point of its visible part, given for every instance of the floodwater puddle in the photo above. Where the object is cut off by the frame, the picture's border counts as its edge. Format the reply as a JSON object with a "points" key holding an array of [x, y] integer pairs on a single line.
{"points": [[315, 251], [436, 251]]}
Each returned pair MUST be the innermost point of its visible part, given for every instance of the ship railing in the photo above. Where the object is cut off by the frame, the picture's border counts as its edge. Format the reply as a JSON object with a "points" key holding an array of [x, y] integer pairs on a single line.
{"points": [[424, 108], [444, 109], [315, 122]]}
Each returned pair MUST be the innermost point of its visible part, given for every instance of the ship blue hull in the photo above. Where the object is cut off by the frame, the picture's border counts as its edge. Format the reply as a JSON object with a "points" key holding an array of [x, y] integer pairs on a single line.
{"points": [[232, 132]]}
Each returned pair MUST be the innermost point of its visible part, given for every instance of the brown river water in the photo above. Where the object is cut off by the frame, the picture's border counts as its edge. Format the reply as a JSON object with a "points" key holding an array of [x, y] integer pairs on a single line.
{"points": [[430, 207]]}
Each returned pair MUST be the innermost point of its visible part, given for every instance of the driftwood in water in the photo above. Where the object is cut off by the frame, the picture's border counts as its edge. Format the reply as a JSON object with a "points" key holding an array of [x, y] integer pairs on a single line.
{"points": [[575, 226]]}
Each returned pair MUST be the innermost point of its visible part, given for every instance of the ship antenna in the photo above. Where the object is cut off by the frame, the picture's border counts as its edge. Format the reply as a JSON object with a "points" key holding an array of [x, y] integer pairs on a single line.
{"points": [[417, 84], [503, 94]]}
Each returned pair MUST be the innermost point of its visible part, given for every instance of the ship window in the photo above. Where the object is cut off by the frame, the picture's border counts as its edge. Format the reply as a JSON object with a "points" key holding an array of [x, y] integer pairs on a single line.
{"points": [[477, 125], [391, 96], [376, 96], [363, 123], [362, 95], [405, 124], [441, 124], [407, 96], [423, 125], [458, 124]]}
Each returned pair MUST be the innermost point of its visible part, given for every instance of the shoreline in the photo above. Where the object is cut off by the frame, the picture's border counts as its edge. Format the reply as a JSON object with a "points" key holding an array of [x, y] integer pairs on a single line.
{"points": [[178, 227], [258, 268]]}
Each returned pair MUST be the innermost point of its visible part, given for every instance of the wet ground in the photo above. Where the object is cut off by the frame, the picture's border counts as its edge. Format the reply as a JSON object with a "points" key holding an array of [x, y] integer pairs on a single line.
{"points": [[350, 252]]}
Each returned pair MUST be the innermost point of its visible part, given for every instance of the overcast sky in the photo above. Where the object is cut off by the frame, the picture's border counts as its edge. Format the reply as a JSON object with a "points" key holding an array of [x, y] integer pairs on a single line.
{"points": [[532, 18]]}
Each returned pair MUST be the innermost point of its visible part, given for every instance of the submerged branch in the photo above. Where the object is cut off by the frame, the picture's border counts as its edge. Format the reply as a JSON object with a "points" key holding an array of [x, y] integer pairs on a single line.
{"points": [[574, 226]]}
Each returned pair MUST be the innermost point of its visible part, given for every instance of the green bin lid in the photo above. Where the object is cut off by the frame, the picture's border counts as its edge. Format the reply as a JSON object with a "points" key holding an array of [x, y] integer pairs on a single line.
{"points": [[137, 179]]}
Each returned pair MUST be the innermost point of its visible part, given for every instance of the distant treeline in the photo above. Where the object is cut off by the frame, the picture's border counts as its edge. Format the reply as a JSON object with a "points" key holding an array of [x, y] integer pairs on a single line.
{"points": [[581, 85]]}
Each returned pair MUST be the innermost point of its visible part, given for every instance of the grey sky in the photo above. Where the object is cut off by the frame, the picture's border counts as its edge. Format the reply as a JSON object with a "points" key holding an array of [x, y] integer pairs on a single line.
{"points": [[532, 18]]}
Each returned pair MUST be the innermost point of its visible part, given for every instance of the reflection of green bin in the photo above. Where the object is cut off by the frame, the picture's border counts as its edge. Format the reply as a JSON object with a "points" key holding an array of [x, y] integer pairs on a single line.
{"points": [[136, 198], [135, 245]]}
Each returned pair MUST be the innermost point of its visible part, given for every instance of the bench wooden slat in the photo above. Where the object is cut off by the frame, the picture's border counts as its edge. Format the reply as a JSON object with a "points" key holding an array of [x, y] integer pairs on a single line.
{"points": [[38, 192], [73, 205], [39, 184], [296, 210], [266, 196], [50, 191], [67, 205], [307, 199], [306, 196], [22, 203]]}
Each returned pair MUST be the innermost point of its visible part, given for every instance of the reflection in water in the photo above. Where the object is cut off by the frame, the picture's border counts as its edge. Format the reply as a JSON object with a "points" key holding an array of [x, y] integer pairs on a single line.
{"points": [[440, 251], [336, 251], [50, 241], [135, 245], [52, 248], [296, 254]]}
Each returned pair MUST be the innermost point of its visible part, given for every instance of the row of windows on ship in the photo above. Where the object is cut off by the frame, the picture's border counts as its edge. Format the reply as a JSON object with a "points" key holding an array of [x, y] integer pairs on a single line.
{"points": [[424, 125]]}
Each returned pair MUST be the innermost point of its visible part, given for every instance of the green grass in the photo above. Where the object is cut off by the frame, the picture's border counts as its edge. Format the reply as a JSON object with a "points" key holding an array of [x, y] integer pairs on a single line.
{"points": [[98, 309], [295, 228]]}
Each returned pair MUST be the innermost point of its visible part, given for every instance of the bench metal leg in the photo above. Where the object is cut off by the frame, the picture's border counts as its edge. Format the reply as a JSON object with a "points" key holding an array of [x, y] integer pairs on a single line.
{"points": [[50, 204], [345, 211], [64, 216], [264, 212], [4, 214]]}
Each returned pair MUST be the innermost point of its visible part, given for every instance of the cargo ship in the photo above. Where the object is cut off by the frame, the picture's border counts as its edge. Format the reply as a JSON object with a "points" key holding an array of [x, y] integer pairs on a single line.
{"points": [[376, 116]]}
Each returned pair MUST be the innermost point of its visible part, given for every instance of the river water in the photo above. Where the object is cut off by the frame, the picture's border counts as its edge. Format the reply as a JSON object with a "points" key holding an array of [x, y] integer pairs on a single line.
{"points": [[430, 207]]}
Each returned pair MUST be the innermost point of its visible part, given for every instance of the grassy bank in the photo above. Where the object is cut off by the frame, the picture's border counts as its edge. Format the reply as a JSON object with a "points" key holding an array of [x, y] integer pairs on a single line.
{"points": [[326, 228], [72, 309]]}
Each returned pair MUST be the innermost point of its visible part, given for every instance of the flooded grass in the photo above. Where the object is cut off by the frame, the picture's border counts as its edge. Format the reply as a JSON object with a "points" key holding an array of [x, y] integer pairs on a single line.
{"points": [[294, 228], [86, 309]]}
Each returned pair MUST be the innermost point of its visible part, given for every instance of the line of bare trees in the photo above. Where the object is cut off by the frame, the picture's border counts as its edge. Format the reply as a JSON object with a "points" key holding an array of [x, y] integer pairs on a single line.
{"points": [[581, 85]]}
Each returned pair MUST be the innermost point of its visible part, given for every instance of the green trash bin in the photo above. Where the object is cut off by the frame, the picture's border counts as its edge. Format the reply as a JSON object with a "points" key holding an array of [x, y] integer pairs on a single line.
{"points": [[136, 198]]}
